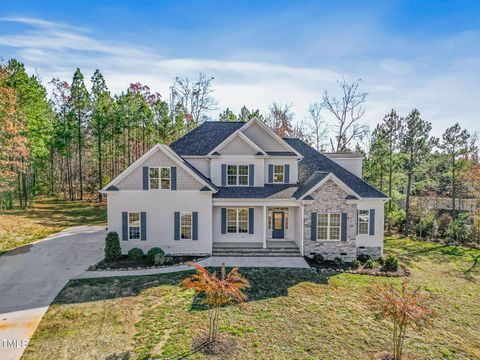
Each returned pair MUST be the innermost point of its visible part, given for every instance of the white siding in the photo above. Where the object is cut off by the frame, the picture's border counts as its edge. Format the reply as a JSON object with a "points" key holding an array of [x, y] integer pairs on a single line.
{"points": [[377, 239], [160, 208], [201, 164], [216, 167], [293, 177], [353, 165], [263, 139], [256, 237]]}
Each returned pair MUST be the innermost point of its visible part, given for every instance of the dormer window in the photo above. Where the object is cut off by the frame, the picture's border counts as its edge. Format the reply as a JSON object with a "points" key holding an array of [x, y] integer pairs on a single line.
{"points": [[159, 178], [278, 174], [237, 175]]}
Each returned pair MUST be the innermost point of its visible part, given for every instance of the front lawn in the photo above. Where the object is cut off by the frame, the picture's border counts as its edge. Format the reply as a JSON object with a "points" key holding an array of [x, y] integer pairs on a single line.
{"points": [[45, 217], [291, 314]]}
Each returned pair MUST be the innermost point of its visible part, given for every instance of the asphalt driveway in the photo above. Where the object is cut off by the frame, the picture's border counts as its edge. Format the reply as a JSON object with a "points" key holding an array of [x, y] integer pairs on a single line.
{"points": [[31, 277]]}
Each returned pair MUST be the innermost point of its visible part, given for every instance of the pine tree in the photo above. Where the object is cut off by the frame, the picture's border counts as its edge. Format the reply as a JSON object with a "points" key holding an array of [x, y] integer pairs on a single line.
{"points": [[416, 143], [80, 106], [101, 111], [454, 145]]}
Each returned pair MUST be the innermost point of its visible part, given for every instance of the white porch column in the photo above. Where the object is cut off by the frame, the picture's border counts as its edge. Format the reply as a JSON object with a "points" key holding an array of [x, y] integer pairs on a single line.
{"points": [[264, 226], [302, 230]]}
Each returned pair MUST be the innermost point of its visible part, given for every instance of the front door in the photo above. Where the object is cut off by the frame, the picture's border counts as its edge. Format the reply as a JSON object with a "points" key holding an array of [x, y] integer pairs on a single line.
{"points": [[278, 231]]}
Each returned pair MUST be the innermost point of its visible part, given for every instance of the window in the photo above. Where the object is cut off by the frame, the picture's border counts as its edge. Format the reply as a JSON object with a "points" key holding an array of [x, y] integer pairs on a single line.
{"points": [[159, 178], [278, 174], [186, 225], [237, 221], [134, 226], [328, 226], [363, 221], [237, 175]]}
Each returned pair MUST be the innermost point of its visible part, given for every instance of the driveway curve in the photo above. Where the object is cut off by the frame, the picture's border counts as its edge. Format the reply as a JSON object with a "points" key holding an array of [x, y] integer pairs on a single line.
{"points": [[32, 276]]}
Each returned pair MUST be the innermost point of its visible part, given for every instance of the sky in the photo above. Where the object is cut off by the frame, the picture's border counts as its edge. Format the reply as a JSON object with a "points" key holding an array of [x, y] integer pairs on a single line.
{"points": [[408, 54]]}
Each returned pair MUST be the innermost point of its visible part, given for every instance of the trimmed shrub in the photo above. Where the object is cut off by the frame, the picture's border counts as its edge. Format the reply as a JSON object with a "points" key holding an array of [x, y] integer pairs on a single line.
{"points": [[381, 260], [391, 263], [355, 264], [156, 256], [112, 246], [337, 260], [363, 258], [319, 258], [135, 254], [370, 264]]}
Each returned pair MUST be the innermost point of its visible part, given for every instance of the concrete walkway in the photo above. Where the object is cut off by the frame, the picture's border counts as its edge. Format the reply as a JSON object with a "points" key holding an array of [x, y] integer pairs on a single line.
{"points": [[279, 262], [32, 276]]}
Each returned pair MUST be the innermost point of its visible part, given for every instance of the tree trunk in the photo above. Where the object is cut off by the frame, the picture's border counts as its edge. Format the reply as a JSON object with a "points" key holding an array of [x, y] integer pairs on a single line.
{"points": [[19, 189], [80, 157], [453, 188], [390, 176], [99, 144], [407, 204], [25, 190]]}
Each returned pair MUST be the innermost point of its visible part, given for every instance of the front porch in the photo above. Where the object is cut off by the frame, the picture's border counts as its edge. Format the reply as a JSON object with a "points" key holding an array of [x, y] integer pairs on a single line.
{"points": [[257, 228]]}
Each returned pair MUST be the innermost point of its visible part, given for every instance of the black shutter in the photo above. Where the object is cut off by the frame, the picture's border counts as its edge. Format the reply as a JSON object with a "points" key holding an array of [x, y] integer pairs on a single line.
{"points": [[372, 222], [195, 225], [224, 220], [145, 178], [124, 225], [224, 175], [251, 212], [344, 227], [287, 174], [176, 225], [313, 227], [173, 178], [251, 175], [143, 226]]}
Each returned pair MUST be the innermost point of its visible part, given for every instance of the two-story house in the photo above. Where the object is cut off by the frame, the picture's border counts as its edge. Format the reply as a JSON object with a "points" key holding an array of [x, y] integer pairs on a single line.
{"points": [[238, 188]]}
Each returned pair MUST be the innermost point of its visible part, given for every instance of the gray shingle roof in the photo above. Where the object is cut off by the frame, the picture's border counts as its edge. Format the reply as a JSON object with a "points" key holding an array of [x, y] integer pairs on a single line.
{"points": [[309, 183], [196, 171], [205, 138], [254, 192], [313, 161]]}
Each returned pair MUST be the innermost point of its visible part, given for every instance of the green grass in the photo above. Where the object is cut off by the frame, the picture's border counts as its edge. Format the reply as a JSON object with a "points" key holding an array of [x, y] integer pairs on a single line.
{"points": [[45, 217], [290, 314]]}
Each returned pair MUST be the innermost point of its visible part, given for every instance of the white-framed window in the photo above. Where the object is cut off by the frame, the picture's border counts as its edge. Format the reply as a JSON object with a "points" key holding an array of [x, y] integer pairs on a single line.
{"points": [[133, 225], [159, 178], [363, 221], [278, 174], [237, 220], [237, 175], [186, 225], [328, 226]]}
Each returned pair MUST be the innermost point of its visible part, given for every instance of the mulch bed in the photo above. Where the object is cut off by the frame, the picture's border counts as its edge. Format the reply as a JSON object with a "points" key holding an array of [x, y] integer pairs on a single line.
{"points": [[124, 263], [331, 267], [380, 271]]}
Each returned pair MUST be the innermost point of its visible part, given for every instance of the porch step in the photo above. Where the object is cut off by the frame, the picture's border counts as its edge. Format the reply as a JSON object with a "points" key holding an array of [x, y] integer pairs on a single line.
{"points": [[241, 251]]}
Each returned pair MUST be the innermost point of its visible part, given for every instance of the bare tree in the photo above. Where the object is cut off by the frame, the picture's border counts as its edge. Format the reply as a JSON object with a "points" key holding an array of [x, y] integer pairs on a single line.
{"points": [[347, 112], [194, 98], [317, 125], [280, 119]]}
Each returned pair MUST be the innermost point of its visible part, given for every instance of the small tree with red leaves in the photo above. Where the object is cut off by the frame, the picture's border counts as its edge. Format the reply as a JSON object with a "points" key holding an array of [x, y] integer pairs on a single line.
{"points": [[405, 308], [218, 291]]}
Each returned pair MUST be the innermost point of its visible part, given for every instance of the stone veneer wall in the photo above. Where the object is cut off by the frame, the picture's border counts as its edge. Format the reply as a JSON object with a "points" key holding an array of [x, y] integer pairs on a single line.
{"points": [[330, 198], [372, 251]]}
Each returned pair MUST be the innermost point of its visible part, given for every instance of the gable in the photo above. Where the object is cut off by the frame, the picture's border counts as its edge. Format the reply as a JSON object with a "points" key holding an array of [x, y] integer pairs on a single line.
{"points": [[237, 146], [330, 193], [134, 179], [263, 139]]}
